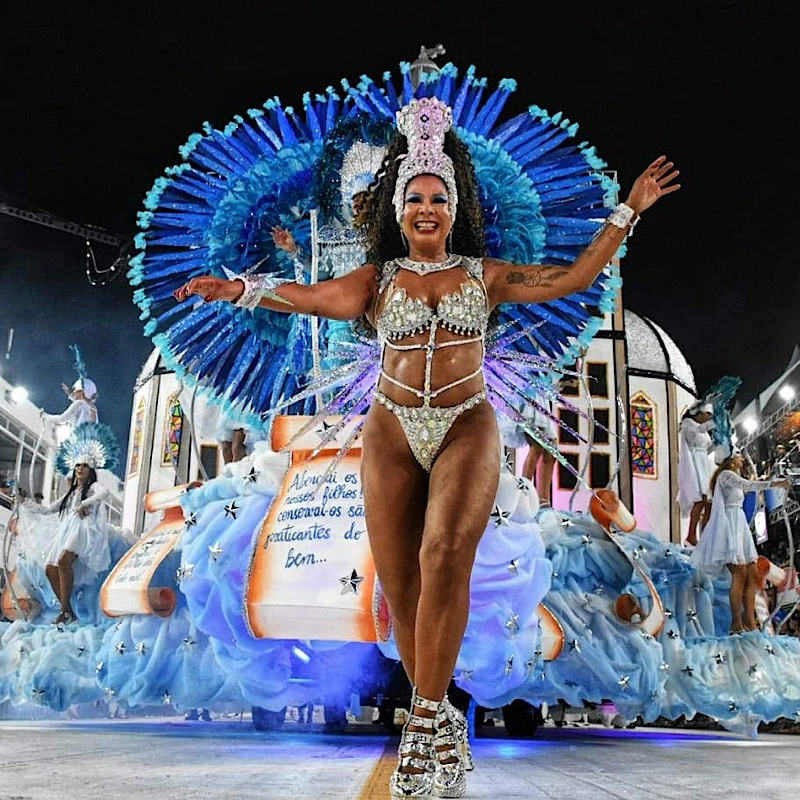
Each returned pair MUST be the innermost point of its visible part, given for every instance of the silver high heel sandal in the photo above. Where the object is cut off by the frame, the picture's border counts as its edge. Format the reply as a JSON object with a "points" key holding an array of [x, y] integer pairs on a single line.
{"points": [[461, 728], [415, 752], [451, 751]]}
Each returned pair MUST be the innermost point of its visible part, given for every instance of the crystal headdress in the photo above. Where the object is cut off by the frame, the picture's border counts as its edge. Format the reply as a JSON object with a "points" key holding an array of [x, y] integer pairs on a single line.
{"points": [[90, 443], [360, 164], [424, 122]]}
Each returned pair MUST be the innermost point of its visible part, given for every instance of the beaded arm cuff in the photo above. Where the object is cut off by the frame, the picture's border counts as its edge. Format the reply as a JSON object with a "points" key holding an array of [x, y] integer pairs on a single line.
{"points": [[257, 288], [623, 216]]}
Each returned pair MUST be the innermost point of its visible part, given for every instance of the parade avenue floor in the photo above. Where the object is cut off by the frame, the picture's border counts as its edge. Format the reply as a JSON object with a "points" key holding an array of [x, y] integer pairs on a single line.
{"points": [[229, 758]]}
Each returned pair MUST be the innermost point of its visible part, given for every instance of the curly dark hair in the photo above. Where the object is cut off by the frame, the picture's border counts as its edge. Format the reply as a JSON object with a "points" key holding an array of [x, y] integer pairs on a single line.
{"points": [[383, 233]]}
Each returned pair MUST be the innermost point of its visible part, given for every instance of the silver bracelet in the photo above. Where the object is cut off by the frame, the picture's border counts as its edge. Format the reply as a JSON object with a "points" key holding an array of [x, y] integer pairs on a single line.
{"points": [[622, 217], [258, 288]]}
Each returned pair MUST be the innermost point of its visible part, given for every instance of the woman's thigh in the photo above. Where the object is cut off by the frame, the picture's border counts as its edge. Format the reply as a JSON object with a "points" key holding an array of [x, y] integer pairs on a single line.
{"points": [[463, 482], [395, 490]]}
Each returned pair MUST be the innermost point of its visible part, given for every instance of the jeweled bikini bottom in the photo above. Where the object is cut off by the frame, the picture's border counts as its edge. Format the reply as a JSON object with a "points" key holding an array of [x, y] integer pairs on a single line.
{"points": [[426, 426]]}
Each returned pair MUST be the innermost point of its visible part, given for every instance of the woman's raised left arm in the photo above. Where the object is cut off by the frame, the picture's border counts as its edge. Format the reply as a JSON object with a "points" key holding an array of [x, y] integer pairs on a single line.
{"points": [[536, 283]]}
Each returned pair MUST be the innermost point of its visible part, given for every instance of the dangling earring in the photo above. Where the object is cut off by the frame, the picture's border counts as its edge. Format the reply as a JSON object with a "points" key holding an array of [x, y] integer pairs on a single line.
{"points": [[403, 237], [450, 241]]}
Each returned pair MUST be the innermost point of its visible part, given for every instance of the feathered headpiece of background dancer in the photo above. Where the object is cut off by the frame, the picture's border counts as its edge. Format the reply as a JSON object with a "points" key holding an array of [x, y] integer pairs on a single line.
{"points": [[424, 122], [361, 162], [90, 443], [83, 383]]}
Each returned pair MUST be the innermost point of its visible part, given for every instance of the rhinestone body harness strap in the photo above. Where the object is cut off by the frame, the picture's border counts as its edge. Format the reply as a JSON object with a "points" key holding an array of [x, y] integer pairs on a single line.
{"points": [[465, 311]]}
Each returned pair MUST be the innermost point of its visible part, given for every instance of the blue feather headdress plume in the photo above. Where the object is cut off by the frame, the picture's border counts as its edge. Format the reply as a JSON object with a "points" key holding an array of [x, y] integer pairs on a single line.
{"points": [[79, 365], [89, 443], [720, 396]]}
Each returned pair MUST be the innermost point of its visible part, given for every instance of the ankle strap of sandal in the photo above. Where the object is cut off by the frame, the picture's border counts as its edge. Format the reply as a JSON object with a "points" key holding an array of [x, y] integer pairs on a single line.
{"points": [[424, 703]]}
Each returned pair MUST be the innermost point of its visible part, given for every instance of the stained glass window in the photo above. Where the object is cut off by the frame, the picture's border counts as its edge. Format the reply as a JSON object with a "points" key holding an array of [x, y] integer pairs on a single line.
{"points": [[643, 436], [172, 432], [138, 435]]}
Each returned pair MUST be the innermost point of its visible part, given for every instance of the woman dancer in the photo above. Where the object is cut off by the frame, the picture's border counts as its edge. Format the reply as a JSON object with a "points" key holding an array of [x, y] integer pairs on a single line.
{"points": [[694, 467], [431, 426], [728, 542], [70, 538]]}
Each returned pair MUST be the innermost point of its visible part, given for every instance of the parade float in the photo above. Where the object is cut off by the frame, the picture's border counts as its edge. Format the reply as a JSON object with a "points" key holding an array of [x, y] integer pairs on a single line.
{"points": [[251, 584]]}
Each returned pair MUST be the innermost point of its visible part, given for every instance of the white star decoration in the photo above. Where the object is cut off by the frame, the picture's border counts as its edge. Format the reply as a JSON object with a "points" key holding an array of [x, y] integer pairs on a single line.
{"points": [[166, 698], [231, 509], [350, 583], [185, 571], [215, 550], [513, 566], [326, 426], [141, 648], [120, 648], [500, 517], [191, 519], [512, 624], [251, 476]]}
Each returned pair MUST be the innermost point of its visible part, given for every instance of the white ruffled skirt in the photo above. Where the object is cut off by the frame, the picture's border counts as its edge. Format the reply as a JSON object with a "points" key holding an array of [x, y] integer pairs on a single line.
{"points": [[694, 477], [44, 537], [726, 539]]}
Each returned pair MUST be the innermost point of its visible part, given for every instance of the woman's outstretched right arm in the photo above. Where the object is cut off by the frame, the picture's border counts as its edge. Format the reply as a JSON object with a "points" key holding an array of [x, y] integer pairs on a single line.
{"points": [[342, 298]]}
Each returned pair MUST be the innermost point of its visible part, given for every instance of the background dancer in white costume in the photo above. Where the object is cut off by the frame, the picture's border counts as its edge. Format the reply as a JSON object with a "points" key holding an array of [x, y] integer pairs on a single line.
{"points": [[70, 537], [431, 427], [727, 540], [694, 467]]}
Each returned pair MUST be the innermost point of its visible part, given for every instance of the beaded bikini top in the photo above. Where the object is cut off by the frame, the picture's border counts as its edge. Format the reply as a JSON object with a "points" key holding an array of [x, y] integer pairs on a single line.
{"points": [[464, 311]]}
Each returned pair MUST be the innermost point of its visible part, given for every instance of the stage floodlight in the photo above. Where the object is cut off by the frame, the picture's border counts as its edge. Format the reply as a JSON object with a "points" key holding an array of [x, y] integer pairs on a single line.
{"points": [[750, 424], [18, 394]]}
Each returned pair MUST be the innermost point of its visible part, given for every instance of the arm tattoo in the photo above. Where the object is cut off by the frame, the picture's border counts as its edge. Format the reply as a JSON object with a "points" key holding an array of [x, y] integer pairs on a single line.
{"points": [[544, 277]]}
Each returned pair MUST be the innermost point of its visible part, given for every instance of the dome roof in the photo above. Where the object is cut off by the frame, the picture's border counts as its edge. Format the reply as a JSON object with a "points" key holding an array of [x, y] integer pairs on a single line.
{"points": [[650, 349], [149, 368]]}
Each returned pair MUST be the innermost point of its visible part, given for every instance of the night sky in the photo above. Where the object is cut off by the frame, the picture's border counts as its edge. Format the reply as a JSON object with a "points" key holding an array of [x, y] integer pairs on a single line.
{"points": [[97, 98]]}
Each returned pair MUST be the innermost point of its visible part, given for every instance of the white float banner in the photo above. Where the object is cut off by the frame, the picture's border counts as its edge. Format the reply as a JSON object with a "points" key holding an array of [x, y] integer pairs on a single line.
{"points": [[311, 575]]}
